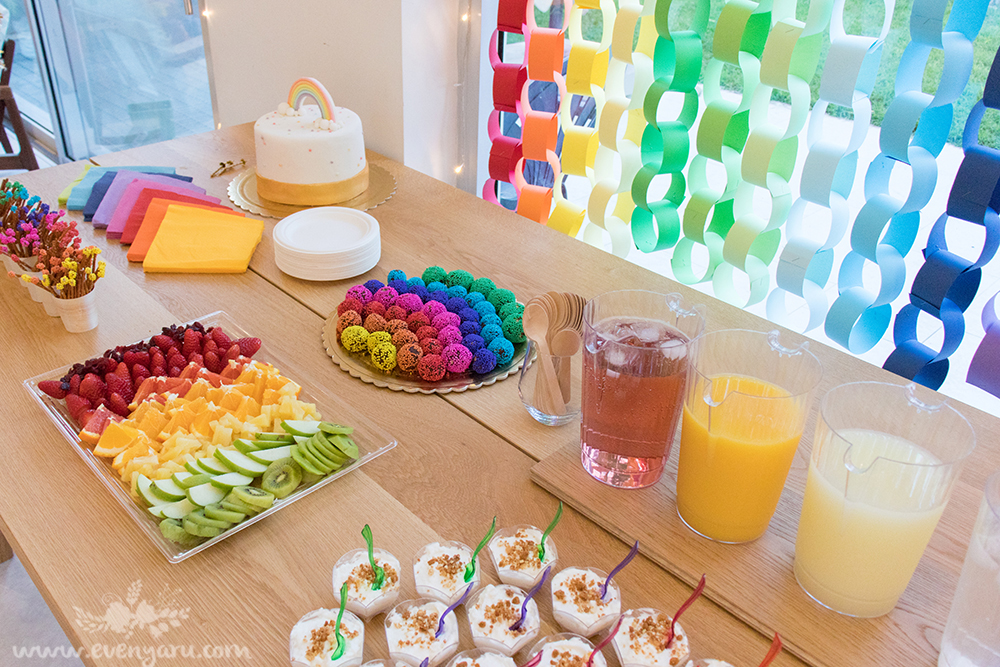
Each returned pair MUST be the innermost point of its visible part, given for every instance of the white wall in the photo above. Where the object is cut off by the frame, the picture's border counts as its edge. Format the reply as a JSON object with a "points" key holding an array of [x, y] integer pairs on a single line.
{"points": [[403, 65]]}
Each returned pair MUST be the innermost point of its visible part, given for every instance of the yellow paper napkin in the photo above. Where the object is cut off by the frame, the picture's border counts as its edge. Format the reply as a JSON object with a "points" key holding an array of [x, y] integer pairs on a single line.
{"points": [[64, 195], [194, 240]]}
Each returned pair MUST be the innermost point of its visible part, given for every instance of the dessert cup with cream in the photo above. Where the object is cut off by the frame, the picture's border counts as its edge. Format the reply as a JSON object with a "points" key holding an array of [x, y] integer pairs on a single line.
{"points": [[492, 612], [478, 657], [355, 569], [514, 552], [410, 630], [313, 640], [577, 605], [566, 650], [439, 571], [642, 640]]}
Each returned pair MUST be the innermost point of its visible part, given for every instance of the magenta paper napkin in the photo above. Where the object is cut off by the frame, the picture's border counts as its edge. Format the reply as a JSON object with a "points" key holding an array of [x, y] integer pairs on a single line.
{"points": [[116, 225], [102, 216]]}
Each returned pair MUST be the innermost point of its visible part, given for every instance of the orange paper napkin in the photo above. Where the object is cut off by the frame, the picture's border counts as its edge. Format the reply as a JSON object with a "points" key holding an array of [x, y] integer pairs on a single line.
{"points": [[193, 240], [151, 224]]}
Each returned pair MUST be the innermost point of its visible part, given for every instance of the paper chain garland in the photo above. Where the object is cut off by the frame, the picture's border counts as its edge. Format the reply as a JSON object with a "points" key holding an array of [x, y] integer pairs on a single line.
{"points": [[634, 152], [914, 130], [946, 284]]}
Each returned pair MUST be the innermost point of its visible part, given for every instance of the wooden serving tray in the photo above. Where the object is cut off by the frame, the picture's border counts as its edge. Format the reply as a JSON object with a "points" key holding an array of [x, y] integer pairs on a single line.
{"points": [[755, 581]]}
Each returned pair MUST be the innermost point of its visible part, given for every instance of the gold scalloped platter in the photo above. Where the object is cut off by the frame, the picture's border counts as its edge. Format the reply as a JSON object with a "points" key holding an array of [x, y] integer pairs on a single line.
{"points": [[361, 368], [243, 193]]}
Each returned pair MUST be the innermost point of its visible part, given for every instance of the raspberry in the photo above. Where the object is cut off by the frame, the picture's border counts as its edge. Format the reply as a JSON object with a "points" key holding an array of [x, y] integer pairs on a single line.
{"points": [[92, 388], [249, 346], [221, 339], [77, 405], [118, 405], [162, 341], [192, 342], [53, 388], [213, 363]]}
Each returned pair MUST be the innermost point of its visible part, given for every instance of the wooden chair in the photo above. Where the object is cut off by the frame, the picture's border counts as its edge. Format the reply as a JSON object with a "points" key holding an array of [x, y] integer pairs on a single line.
{"points": [[25, 159]]}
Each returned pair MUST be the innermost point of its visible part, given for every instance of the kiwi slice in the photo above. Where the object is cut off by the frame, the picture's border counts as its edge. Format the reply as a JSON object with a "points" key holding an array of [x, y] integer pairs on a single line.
{"points": [[199, 517], [233, 504], [253, 496], [173, 530], [299, 457], [314, 450], [281, 478], [344, 444], [309, 478], [335, 429], [200, 530], [322, 446], [219, 514], [317, 462]]}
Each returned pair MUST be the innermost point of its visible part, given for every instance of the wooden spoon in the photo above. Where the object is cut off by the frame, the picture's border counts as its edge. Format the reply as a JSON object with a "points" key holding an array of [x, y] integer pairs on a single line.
{"points": [[565, 343], [536, 327]]}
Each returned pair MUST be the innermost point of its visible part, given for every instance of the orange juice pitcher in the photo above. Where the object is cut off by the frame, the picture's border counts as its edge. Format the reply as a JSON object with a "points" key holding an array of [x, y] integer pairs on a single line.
{"points": [[746, 403]]}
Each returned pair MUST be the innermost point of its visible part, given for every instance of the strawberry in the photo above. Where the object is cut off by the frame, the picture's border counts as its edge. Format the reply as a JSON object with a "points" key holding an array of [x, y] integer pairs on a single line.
{"points": [[249, 346], [195, 358], [77, 405], [139, 373], [118, 405], [210, 346], [174, 371], [119, 385], [54, 388], [220, 338], [212, 362], [74, 384], [162, 341], [92, 388], [133, 357], [157, 364], [192, 342], [231, 354]]}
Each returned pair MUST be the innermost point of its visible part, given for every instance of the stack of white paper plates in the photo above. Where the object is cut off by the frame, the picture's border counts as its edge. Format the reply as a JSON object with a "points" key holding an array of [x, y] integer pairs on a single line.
{"points": [[327, 243]]}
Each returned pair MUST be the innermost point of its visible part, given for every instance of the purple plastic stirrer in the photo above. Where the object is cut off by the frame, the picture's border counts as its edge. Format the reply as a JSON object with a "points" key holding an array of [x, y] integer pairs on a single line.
{"points": [[618, 568], [534, 661], [452, 608], [425, 662], [524, 605]]}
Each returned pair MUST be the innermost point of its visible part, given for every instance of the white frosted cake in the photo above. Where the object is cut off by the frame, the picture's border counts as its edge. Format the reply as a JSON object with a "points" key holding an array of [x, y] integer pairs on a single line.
{"points": [[310, 155]]}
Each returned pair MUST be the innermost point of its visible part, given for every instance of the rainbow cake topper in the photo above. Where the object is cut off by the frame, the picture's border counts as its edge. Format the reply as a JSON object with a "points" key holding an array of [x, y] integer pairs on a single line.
{"points": [[310, 87]]}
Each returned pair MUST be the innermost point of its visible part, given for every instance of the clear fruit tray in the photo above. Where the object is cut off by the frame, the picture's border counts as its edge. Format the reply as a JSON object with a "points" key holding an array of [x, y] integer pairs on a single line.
{"points": [[372, 442]]}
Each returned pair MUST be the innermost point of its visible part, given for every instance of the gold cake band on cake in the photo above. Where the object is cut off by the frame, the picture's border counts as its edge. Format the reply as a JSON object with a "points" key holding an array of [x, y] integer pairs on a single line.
{"points": [[313, 194]]}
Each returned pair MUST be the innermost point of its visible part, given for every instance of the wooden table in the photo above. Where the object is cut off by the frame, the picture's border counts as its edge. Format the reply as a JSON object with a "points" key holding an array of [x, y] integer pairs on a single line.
{"points": [[462, 457]]}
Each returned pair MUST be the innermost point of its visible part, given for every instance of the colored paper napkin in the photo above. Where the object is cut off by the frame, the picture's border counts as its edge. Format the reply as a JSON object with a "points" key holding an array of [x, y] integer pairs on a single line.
{"points": [[151, 225], [138, 212], [97, 192], [130, 195], [81, 193], [64, 195], [193, 240], [102, 216]]}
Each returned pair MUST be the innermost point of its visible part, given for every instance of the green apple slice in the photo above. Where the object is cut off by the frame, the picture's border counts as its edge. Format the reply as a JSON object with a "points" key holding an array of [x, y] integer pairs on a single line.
{"points": [[277, 437], [205, 494], [143, 485], [335, 429], [244, 446], [191, 480], [268, 456], [230, 480], [193, 468], [157, 510], [212, 466], [299, 457], [300, 427], [167, 489], [240, 462], [177, 510], [271, 444]]}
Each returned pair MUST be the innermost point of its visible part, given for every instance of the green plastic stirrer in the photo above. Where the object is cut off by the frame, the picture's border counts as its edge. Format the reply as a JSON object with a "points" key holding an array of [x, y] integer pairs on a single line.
{"points": [[341, 642], [541, 543], [366, 533], [470, 569]]}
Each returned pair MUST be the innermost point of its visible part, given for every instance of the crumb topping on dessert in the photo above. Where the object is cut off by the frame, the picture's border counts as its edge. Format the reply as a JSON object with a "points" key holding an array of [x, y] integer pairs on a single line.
{"points": [[421, 625], [583, 593], [567, 659], [506, 613], [448, 565], [326, 635], [650, 632], [363, 577], [520, 554]]}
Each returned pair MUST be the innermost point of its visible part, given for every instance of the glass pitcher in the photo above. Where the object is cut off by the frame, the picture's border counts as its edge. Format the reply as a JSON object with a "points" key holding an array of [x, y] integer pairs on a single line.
{"points": [[882, 468]]}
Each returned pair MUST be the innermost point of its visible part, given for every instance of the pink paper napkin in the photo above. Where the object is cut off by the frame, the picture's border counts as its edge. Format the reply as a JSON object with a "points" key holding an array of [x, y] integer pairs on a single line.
{"points": [[138, 212], [130, 196], [102, 216]]}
